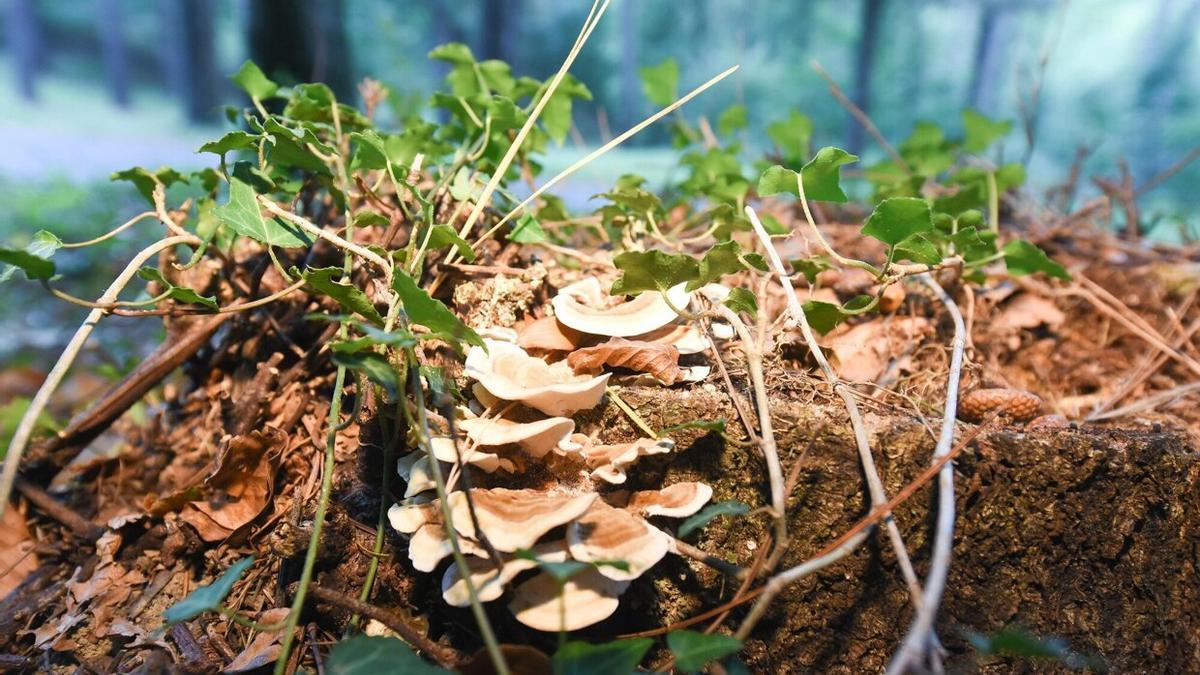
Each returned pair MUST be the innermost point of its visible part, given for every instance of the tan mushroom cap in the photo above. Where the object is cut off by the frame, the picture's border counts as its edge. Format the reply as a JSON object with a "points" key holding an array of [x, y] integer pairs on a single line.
{"points": [[535, 438], [676, 501], [586, 307], [516, 519], [444, 450], [510, 374], [608, 462], [609, 534], [417, 474], [550, 335], [489, 584], [428, 543], [586, 598]]}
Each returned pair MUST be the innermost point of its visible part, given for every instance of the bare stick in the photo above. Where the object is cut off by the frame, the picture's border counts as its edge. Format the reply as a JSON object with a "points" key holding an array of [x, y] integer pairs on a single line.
{"points": [[20, 438], [920, 634], [412, 635], [313, 229], [859, 115], [1162, 176]]}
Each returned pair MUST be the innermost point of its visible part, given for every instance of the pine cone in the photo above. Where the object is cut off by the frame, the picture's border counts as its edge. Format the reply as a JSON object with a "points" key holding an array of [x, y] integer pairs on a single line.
{"points": [[1020, 406]]}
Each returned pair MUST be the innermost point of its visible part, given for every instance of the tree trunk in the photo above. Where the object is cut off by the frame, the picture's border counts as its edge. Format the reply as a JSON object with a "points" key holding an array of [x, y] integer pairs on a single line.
{"points": [[24, 43], [500, 31], [631, 87], [991, 49], [864, 63], [199, 60], [109, 29]]}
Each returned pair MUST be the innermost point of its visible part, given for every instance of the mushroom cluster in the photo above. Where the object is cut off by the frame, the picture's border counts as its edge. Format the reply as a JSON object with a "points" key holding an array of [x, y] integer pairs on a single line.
{"points": [[540, 491]]}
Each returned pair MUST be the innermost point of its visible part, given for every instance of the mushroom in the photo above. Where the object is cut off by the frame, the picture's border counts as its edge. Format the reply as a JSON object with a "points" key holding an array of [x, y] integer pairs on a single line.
{"points": [[676, 501], [588, 308], [535, 438], [489, 584], [605, 534], [444, 449], [510, 374], [414, 469], [516, 519], [586, 598], [608, 462], [549, 335]]}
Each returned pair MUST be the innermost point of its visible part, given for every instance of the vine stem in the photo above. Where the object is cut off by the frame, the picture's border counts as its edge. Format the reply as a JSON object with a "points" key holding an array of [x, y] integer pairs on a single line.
{"points": [[874, 483], [311, 228], [25, 427], [921, 631], [111, 233]]}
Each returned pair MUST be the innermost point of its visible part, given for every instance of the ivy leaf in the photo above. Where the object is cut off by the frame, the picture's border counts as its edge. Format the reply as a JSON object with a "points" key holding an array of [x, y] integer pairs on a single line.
{"points": [[178, 293], [823, 316], [710, 513], [724, 258], [742, 300], [254, 81], [973, 244], [527, 230], [653, 271], [443, 236], [366, 218], [242, 214], [694, 650], [811, 267], [772, 225], [918, 249], [374, 366], [431, 313], [33, 260], [397, 337], [1022, 257], [898, 218], [556, 115], [793, 135], [455, 53], [326, 281], [661, 82], [982, 131], [611, 658], [207, 598], [369, 655], [145, 180], [234, 140], [733, 119], [777, 179], [822, 176]]}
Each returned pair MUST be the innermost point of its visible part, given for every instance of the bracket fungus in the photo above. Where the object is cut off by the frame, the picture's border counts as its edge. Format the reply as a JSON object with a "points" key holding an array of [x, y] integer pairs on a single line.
{"points": [[510, 374], [535, 438], [586, 307], [679, 500], [608, 462], [490, 583], [606, 533], [586, 598]]}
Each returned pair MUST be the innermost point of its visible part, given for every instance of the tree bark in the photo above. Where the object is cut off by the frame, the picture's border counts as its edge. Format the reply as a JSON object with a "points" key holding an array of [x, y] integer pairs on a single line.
{"points": [[110, 30], [864, 64], [23, 37]]}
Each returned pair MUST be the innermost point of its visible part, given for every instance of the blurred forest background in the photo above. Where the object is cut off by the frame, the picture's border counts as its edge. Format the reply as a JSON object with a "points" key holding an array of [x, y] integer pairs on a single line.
{"points": [[92, 86]]}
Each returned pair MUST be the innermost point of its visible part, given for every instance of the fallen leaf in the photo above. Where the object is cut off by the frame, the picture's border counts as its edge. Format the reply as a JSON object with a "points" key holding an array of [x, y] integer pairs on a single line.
{"points": [[265, 647], [863, 352], [1028, 311], [17, 559], [658, 359], [240, 487]]}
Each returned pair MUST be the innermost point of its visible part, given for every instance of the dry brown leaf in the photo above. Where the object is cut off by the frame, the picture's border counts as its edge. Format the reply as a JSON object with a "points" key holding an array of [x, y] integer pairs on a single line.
{"points": [[547, 334], [265, 647], [17, 559], [863, 352], [1028, 311], [240, 488], [658, 359]]}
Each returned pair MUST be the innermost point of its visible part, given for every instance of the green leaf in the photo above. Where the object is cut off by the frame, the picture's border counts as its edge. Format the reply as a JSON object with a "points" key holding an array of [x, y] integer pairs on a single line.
{"points": [[35, 267], [371, 655], [742, 300], [710, 513], [1016, 641], [822, 177], [772, 225], [823, 316], [653, 271], [717, 425], [725, 258], [973, 244], [793, 135], [443, 236], [366, 218], [811, 267], [145, 180], [375, 366], [397, 337], [661, 82], [777, 179], [178, 293], [242, 213], [898, 218], [431, 313], [611, 658], [234, 140], [733, 119], [326, 280], [207, 598], [527, 230], [556, 115], [918, 249], [10, 416], [1022, 257], [982, 131], [694, 650], [254, 82]]}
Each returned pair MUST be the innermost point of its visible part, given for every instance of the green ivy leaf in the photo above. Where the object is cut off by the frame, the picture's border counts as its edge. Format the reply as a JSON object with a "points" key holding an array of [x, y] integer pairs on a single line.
{"points": [[444, 236], [811, 267], [453, 52], [918, 249], [397, 337], [742, 300], [366, 218], [431, 313], [772, 225], [710, 513], [724, 258], [973, 244], [178, 293], [34, 260], [1022, 257], [234, 140], [527, 230], [793, 136], [327, 281], [207, 598], [653, 271], [732, 120], [822, 177], [145, 180], [896, 219], [370, 655], [254, 81], [661, 82], [823, 316], [556, 115], [694, 650], [374, 366], [242, 213], [611, 658], [982, 131]]}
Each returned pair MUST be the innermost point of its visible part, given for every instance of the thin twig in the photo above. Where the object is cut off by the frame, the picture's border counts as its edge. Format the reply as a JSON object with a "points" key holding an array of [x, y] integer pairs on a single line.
{"points": [[443, 655], [860, 115], [313, 229], [921, 632]]}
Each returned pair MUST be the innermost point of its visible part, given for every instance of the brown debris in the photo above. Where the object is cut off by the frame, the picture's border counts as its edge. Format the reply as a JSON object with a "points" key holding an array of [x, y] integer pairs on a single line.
{"points": [[658, 359], [1021, 406]]}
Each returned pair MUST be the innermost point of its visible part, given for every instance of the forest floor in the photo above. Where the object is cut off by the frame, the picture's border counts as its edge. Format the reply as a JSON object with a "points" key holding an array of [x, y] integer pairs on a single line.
{"points": [[1078, 521]]}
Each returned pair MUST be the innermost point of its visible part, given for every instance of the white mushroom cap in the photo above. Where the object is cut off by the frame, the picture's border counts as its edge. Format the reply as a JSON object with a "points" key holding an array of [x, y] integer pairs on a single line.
{"points": [[685, 337], [489, 584], [509, 374], [444, 450], [586, 598], [516, 519], [535, 438], [428, 543], [605, 533], [420, 477], [608, 462], [407, 518], [676, 501], [588, 308]]}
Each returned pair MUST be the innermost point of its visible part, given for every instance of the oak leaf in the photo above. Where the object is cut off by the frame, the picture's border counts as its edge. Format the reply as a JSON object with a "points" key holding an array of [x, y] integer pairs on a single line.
{"points": [[660, 360]]}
